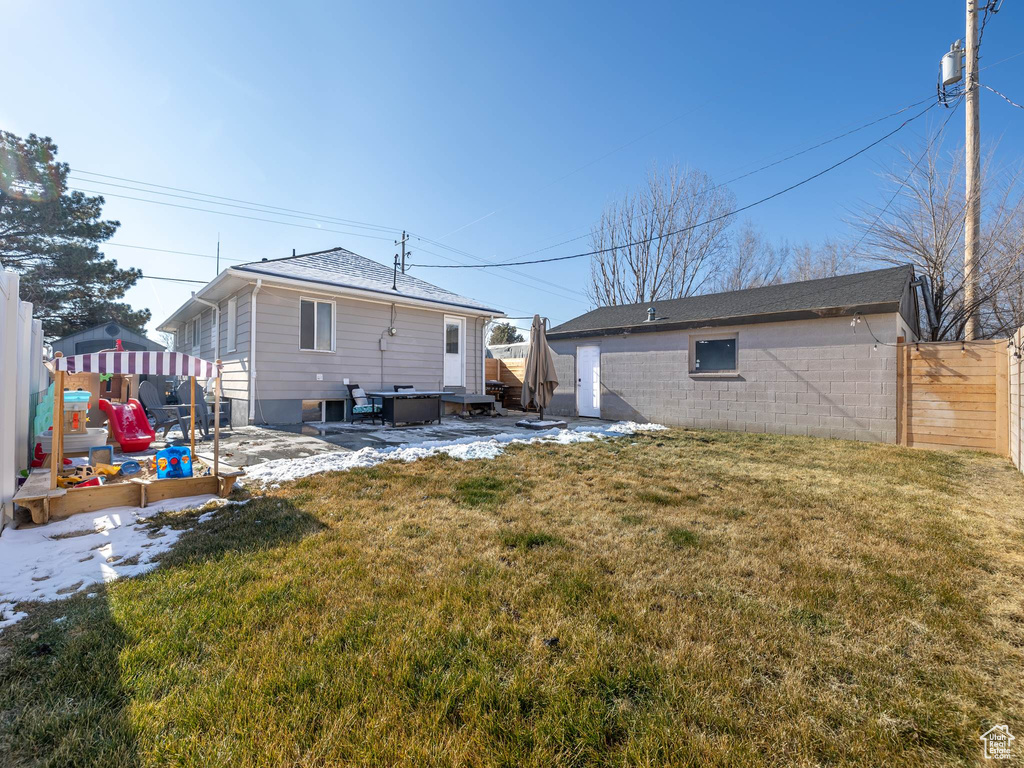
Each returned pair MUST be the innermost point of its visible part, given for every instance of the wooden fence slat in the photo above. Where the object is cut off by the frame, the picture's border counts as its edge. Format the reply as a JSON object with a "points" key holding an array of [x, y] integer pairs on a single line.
{"points": [[954, 396]]}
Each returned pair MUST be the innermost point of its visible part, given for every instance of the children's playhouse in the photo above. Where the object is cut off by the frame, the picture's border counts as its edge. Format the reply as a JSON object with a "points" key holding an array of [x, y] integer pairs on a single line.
{"points": [[103, 387]]}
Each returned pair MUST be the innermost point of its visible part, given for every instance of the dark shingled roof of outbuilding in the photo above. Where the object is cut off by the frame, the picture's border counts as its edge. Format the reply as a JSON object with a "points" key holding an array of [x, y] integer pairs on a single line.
{"points": [[880, 290]]}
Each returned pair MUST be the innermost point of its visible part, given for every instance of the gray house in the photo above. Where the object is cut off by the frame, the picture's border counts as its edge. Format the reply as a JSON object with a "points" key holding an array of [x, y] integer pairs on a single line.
{"points": [[104, 336], [292, 331], [809, 358]]}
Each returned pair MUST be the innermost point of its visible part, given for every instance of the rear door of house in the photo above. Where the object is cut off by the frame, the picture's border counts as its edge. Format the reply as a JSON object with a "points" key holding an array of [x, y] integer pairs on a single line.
{"points": [[454, 351], [588, 381]]}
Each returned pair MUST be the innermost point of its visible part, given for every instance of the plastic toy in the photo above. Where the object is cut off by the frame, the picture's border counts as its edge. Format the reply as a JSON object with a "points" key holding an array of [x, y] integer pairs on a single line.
{"points": [[107, 470], [96, 454], [175, 461], [130, 467], [129, 424]]}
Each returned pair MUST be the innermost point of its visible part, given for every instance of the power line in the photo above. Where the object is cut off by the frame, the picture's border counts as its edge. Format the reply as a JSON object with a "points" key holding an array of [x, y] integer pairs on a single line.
{"points": [[297, 214], [337, 220], [735, 211], [311, 217], [544, 286], [226, 213], [172, 279], [1003, 95], [906, 179], [180, 253], [762, 168], [827, 141]]}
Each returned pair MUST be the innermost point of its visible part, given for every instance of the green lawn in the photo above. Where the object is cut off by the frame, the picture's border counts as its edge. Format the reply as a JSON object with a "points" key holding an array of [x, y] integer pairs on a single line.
{"points": [[686, 598]]}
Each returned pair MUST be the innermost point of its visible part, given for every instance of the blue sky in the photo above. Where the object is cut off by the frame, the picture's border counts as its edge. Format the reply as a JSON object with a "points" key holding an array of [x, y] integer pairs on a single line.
{"points": [[526, 119]]}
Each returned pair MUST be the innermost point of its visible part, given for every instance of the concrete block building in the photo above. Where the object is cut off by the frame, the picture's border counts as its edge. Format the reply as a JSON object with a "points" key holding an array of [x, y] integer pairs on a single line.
{"points": [[815, 358]]}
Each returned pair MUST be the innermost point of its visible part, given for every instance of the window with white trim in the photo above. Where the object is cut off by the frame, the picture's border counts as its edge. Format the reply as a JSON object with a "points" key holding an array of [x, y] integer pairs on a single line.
{"points": [[232, 342], [197, 334], [713, 354], [316, 325]]}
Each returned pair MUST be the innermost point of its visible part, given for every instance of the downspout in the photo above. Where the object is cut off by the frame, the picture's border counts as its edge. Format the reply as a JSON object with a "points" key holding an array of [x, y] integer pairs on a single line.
{"points": [[929, 308], [483, 355], [252, 352]]}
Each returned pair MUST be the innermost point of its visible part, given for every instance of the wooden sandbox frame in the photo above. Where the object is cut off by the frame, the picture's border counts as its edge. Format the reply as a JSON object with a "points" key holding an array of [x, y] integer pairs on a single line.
{"points": [[45, 501]]}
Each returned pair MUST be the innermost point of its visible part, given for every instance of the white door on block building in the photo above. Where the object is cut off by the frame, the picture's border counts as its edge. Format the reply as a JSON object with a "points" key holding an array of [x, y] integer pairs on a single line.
{"points": [[454, 351], [588, 381]]}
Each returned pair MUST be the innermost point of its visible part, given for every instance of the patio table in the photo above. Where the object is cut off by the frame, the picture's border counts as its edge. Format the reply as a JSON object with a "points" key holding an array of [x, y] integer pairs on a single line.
{"points": [[410, 406]]}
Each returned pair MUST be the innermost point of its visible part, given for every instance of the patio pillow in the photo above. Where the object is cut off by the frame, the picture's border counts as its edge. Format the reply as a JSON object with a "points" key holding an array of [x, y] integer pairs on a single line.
{"points": [[369, 408], [359, 395]]}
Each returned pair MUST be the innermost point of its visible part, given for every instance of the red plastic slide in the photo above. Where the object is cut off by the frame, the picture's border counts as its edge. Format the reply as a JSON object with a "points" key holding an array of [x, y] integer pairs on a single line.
{"points": [[129, 424]]}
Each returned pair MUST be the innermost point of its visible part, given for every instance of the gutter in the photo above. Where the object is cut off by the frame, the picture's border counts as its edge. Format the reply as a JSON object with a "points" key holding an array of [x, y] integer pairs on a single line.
{"points": [[252, 351], [715, 322]]}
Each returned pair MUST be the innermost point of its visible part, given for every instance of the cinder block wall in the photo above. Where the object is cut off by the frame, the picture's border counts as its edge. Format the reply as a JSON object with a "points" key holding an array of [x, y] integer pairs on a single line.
{"points": [[808, 377]]}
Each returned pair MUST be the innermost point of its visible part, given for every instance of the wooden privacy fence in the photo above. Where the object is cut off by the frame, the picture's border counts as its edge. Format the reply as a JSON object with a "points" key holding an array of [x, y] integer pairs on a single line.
{"points": [[1016, 388], [952, 395], [509, 371]]}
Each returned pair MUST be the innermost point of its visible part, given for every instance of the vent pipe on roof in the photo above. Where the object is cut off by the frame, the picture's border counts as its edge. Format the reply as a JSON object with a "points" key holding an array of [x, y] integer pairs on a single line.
{"points": [[293, 253], [650, 314]]}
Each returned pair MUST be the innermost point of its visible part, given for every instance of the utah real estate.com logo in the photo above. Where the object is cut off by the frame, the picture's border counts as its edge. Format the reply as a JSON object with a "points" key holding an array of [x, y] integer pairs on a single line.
{"points": [[997, 742]]}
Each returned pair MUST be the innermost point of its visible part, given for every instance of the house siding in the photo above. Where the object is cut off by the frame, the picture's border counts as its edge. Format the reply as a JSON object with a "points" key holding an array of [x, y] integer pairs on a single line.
{"points": [[817, 377], [286, 375]]}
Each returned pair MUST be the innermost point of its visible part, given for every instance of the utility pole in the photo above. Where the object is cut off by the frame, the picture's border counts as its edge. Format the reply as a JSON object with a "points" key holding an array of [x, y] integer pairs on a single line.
{"points": [[972, 153], [402, 242]]}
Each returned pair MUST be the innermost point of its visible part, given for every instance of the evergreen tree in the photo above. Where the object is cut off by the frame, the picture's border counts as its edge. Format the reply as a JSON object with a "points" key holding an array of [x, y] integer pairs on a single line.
{"points": [[505, 333], [51, 237]]}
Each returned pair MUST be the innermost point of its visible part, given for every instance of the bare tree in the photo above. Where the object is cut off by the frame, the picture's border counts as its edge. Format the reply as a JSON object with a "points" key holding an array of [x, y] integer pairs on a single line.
{"points": [[829, 259], [655, 244], [924, 226], [752, 261]]}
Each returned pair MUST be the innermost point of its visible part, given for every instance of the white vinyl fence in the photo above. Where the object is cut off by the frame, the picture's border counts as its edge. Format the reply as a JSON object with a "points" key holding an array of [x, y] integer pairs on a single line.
{"points": [[22, 378]]}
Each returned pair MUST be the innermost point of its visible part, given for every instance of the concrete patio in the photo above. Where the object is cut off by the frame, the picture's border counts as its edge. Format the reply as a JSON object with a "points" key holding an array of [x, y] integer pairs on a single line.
{"points": [[245, 446]]}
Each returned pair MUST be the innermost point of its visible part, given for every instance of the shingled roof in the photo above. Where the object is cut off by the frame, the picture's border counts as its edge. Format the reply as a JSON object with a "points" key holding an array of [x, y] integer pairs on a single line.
{"points": [[344, 269], [880, 290]]}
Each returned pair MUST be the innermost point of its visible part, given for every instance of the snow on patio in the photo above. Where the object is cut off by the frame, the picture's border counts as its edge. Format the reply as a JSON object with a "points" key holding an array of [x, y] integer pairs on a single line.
{"points": [[273, 473]]}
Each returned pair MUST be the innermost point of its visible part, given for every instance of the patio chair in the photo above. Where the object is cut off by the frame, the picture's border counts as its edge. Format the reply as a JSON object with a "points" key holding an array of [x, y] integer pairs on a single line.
{"points": [[165, 416], [362, 407], [203, 416]]}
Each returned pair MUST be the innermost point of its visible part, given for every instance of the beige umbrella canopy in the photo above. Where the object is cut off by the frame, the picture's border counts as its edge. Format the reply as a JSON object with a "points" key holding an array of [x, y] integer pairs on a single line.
{"points": [[539, 380]]}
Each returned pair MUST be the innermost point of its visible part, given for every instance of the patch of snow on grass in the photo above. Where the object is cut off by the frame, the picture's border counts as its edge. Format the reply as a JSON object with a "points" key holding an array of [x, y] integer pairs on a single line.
{"points": [[273, 473], [57, 560]]}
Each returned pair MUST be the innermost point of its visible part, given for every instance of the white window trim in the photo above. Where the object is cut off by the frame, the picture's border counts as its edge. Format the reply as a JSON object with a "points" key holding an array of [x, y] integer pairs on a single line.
{"points": [[197, 334], [316, 319], [692, 356], [232, 329]]}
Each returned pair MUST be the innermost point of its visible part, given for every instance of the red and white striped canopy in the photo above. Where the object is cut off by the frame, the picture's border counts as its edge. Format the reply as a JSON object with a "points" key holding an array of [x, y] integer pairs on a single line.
{"points": [[156, 363]]}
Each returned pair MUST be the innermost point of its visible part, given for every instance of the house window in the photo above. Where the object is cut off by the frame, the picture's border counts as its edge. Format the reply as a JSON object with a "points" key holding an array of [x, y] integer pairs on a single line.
{"points": [[316, 325], [197, 327], [232, 324], [713, 355], [451, 338]]}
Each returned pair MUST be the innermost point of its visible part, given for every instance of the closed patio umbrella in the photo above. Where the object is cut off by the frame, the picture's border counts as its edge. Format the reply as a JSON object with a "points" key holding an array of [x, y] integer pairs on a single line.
{"points": [[539, 379]]}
